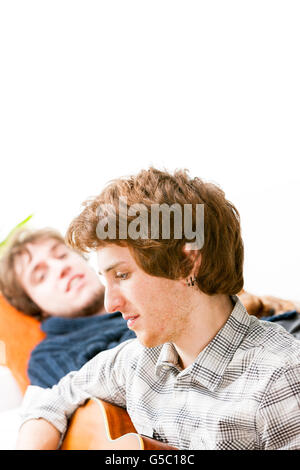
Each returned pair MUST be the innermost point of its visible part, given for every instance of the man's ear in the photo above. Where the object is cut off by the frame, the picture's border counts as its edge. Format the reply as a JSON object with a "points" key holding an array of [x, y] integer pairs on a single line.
{"points": [[196, 257]]}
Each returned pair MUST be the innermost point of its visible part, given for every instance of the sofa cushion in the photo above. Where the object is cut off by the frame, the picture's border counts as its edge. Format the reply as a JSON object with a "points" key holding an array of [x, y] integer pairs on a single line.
{"points": [[19, 334]]}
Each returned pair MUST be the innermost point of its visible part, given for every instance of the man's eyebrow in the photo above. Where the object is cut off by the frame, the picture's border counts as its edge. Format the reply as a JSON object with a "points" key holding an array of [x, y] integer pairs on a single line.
{"points": [[112, 266], [37, 266], [51, 250]]}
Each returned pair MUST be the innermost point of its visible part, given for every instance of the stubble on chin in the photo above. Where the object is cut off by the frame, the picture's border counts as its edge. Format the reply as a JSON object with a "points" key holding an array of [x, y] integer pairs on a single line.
{"points": [[92, 307], [151, 340]]}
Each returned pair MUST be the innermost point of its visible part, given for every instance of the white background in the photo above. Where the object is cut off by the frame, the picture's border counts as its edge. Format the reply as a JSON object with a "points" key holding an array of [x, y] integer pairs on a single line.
{"points": [[92, 90]]}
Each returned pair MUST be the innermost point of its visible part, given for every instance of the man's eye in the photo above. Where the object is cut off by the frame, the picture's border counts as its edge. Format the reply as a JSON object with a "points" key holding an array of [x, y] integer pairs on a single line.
{"points": [[40, 277], [122, 276]]}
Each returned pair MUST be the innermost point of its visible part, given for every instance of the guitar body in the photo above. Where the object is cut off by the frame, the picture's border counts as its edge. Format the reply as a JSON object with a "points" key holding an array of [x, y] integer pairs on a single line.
{"points": [[98, 425]]}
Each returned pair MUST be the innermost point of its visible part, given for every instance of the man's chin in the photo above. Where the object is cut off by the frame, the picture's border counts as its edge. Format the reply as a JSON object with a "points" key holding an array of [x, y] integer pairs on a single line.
{"points": [[93, 306], [148, 342]]}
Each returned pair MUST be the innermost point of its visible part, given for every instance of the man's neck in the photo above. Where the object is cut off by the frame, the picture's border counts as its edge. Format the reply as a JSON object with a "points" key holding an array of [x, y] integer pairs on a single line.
{"points": [[207, 317]]}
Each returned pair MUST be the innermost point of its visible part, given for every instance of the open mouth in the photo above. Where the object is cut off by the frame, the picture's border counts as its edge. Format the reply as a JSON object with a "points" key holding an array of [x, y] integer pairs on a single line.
{"points": [[74, 282]]}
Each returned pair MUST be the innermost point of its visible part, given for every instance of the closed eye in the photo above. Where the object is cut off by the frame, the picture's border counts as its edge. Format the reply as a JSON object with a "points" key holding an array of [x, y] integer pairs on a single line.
{"points": [[39, 274], [41, 277]]}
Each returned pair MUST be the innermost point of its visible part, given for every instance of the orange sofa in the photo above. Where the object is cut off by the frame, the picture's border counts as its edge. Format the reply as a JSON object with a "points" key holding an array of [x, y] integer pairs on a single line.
{"points": [[19, 334]]}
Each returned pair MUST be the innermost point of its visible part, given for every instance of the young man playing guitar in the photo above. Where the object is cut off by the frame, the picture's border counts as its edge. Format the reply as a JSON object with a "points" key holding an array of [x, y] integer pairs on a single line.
{"points": [[202, 373]]}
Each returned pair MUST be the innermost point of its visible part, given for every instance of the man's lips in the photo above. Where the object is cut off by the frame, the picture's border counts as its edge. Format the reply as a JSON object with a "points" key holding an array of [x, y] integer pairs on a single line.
{"points": [[131, 319], [73, 281]]}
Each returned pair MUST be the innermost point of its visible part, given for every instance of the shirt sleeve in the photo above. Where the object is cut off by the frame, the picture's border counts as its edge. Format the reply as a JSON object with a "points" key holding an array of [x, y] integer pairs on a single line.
{"points": [[102, 377], [278, 417]]}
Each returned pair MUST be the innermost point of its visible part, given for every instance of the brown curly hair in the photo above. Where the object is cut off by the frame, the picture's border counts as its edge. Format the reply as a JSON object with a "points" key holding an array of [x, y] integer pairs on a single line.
{"points": [[221, 269]]}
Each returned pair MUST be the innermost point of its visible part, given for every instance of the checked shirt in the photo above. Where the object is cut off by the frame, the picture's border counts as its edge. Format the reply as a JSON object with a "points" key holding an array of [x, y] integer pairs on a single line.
{"points": [[241, 392]]}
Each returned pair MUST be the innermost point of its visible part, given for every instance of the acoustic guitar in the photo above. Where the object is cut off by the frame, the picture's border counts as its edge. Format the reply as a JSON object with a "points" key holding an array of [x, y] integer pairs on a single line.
{"points": [[99, 425]]}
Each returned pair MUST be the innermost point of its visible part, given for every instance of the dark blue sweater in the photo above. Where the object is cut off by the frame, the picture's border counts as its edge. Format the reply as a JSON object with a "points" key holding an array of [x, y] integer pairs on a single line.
{"points": [[71, 342]]}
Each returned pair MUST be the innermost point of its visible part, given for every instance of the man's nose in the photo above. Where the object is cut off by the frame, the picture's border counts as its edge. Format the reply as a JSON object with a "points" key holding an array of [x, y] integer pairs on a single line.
{"points": [[113, 301], [65, 271]]}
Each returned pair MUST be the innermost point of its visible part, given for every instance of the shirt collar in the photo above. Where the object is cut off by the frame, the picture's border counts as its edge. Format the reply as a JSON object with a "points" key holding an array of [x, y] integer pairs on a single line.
{"points": [[211, 363]]}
